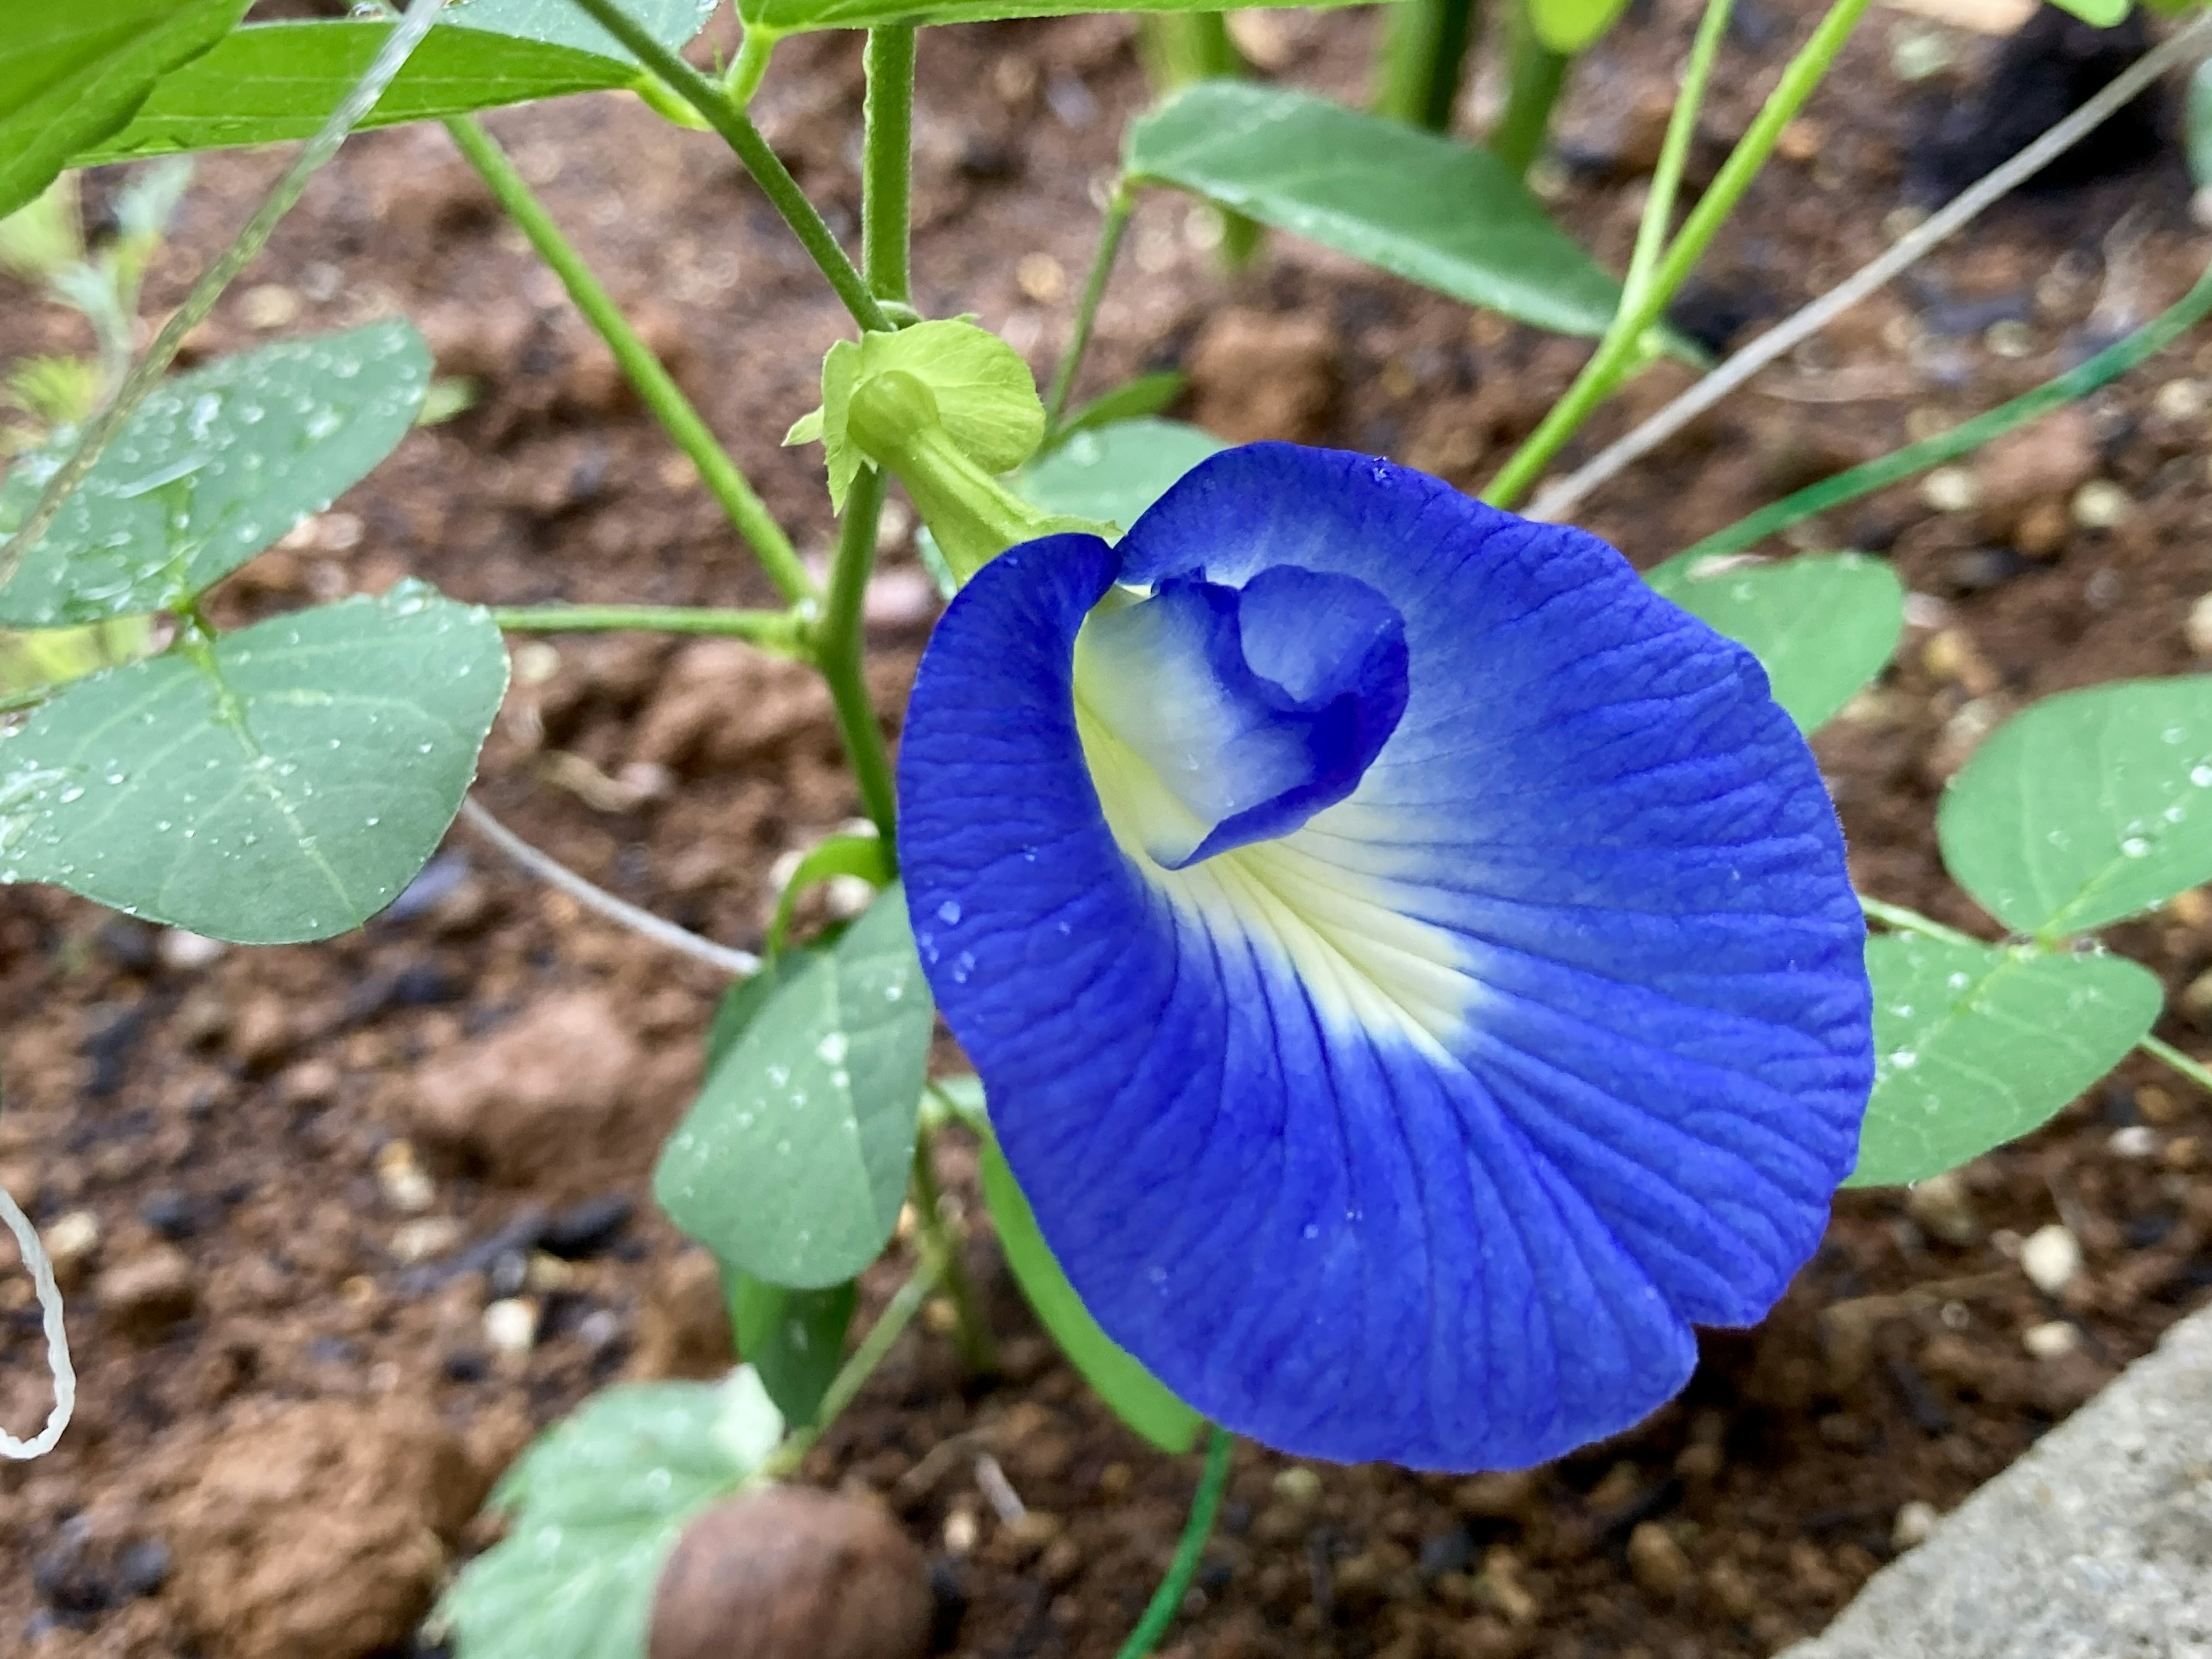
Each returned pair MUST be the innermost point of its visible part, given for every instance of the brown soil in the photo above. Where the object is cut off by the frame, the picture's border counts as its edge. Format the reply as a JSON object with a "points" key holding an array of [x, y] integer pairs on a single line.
{"points": [[299, 1209]]}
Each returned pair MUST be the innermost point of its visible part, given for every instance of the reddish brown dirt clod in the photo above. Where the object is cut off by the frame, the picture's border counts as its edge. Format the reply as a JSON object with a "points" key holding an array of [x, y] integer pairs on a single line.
{"points": [[318, 1531], [792, 1573], [1257, 376]]}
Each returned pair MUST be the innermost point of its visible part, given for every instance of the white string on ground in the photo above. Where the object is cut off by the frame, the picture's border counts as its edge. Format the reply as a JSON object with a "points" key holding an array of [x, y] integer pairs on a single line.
{"points": [[57, 1354], [554, 874], [1556, 501]]}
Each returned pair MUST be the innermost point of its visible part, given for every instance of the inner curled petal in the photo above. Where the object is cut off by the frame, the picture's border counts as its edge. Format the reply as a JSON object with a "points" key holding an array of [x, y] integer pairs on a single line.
{"points": [[1213, 716]]}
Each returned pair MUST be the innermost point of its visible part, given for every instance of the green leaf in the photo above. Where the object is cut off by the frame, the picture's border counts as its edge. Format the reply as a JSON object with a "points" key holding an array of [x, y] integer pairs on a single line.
{"points": [[1822, 625], [272, 81], [1154, 393], [599, 1502], [1115, 472], [281, 783], [793, 16], [2090, 806], [213, 467], [1445, 215], [1138, 1397], [2103, 14], [1975, 1046], [1570, 27], [741, 1003], [792, 1163], [795, 1338], [71, 73], [2196, 127]]}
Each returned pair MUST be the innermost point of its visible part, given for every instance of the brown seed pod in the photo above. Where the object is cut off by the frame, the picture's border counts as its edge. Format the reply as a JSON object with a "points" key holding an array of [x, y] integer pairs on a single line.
{"points": [[792, 1573]]}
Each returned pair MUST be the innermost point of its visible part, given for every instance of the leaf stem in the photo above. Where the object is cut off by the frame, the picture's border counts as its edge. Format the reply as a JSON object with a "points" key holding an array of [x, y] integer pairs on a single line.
{"points": [[1204, 1505], [1534, 76], [1111, 229], [769, 172], [2194, 1071], [2107, 364], [390, 59], [772, 630], [977, 1351], [1423, 57], [887, 163], [853, 1376], [1911, 921], [838, 649], [1673, 152], [675, 412], [1623, 346]]}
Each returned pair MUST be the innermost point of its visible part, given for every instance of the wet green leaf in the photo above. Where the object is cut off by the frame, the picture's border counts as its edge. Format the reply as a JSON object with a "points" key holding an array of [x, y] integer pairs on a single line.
{"points": [[795, 1338], [598, 1502], [1822, 624], [1975, 1046], [273, 81], [2090, 806], [792, 1163], [1138, 1397], [283, 783], [1445, 215], [215, 466], [71, 73], [1113, 473]]}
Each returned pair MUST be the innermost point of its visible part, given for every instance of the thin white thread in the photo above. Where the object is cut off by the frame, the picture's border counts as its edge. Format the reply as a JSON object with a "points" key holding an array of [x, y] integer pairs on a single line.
{"points": [[57, 1354], [1558, 500], [556, 874]]}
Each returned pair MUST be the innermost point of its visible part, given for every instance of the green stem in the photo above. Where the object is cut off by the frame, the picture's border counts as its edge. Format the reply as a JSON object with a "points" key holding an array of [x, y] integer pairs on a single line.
{"points": [[977, 1352], [1674, 152], [743, 136], [1423, 57], [888, 162], [1111, 229], [682, 422], [772, 630], [838, 649], [1534, 76], [2194, 1071], [390, 59], [1911, 921], [1622, 348], [2107, 364], [750, 67], [1178, 48], [853, 1376], [1204, 1503]]}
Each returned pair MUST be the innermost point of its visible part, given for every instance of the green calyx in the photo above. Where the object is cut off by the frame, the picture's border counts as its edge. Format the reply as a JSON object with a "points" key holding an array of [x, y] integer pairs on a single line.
{"points": [[945, 407]]}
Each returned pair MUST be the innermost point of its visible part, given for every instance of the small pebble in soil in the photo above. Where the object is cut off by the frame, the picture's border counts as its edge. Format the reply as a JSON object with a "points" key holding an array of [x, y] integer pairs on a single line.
{"points": [[1944, 1209], [186, 953], [70, 1243], [426, 1239], [149, 1294], [407, 1188], [793, 1573], [510, 1325], [1915, 1520], [1950, 489], [586, 1228], [2199, 627], [2136, 1142], [2051, 1256], [141, 1566], [2051, 1340], [1298, 1484], [2100, 504], [1657, 1561], [170, 1213]]}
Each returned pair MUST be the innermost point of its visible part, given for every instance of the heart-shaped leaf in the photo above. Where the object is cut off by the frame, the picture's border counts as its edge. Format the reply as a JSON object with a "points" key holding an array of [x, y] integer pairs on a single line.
{"points": [[284, 782]]}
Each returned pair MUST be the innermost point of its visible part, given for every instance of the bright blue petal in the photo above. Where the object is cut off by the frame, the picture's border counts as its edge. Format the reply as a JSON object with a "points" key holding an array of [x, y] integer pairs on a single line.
{"points": [[1420, 1127]]}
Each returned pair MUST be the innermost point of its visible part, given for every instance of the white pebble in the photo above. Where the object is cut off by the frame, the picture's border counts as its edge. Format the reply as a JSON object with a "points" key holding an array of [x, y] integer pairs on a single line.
{"points": [[2137, 1140], [2051, 1256], [426, 1240], [184, 953], [2051, 1340], [960, 1530], [1950, 489], [511, 1325], [1915, 1520], [2199, 627], [73, 1238], [406, 1187], [2100, 504]]}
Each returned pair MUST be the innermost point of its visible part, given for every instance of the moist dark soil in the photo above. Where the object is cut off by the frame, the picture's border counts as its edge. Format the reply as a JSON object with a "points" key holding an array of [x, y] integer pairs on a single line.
{"points": [[287, 1215]]}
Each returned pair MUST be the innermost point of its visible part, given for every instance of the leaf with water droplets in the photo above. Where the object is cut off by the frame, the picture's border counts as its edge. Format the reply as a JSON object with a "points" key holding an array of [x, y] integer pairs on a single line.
{"points": [[214, 466], [795, 1338], [1975, 1045], [1113, 473], [2091, 806], [792, 1163], [70, 74], [284, 782], [1821, 625], [269, 83], [1139, 1398], [595, 1505]]}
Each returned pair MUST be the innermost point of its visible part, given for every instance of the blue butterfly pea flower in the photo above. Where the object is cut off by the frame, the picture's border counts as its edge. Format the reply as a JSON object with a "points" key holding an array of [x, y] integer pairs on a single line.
{"points": [[1412, 965]]}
